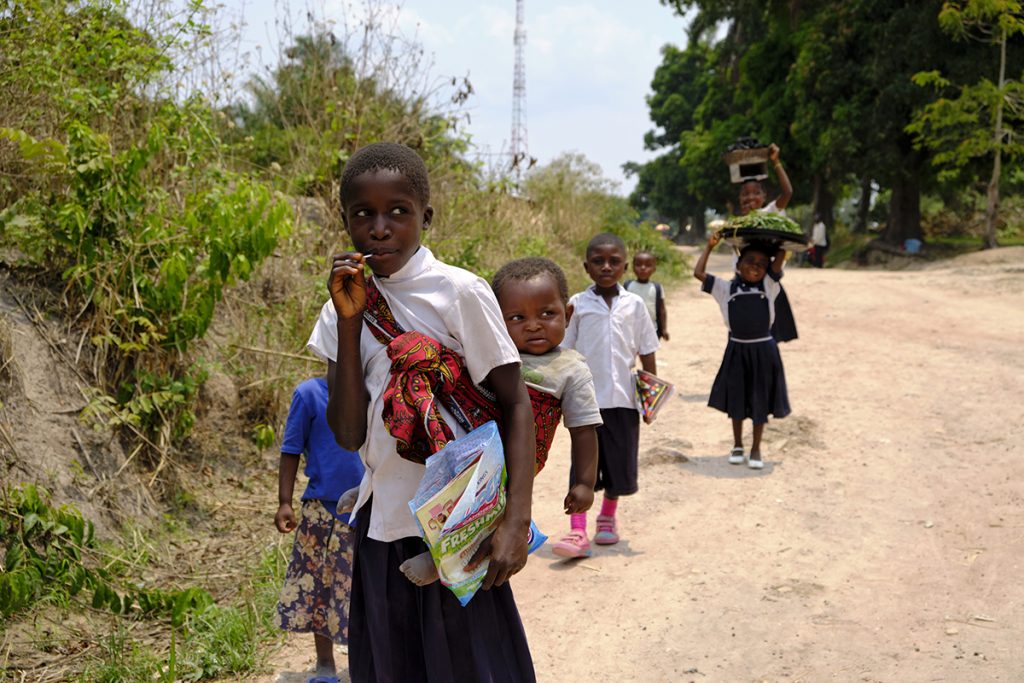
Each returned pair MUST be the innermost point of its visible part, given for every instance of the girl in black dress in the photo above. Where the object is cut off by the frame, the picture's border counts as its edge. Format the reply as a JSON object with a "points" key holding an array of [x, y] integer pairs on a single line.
{"points": [[750, 383]]}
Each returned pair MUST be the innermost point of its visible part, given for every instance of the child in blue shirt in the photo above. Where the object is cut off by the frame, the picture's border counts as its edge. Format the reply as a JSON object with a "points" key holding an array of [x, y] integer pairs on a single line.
{"points": [[318, 583]]}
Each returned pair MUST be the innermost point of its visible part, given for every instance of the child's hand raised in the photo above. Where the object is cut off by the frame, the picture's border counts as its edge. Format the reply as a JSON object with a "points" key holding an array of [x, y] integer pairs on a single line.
{"points": [[579, 499], [347, 285], [773, 153], [714, 238]]}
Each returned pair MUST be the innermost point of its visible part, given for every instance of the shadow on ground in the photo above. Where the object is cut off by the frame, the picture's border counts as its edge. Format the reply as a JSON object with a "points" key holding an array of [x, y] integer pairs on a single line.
{"points": [[718, 466], [561, 564]]}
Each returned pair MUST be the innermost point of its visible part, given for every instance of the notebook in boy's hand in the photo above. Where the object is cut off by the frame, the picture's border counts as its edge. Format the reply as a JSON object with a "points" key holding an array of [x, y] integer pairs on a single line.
{"points": [[652, 393]]}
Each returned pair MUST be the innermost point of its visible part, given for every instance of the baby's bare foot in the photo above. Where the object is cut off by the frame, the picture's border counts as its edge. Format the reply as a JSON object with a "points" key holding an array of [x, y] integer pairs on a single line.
{"points": [[420, 569]]}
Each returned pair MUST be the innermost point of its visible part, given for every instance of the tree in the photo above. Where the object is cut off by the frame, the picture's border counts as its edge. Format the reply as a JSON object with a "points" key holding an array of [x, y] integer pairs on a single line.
{"points": [[679, 86], [984, 118]]}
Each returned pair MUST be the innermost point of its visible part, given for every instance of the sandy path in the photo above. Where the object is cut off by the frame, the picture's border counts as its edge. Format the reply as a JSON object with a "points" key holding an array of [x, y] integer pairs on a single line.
{"points": [[882, 541]]}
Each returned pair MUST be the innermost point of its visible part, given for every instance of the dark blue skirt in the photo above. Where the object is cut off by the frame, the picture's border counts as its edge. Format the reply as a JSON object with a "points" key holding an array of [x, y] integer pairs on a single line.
{"points": [[751, 383], [402, 633]]}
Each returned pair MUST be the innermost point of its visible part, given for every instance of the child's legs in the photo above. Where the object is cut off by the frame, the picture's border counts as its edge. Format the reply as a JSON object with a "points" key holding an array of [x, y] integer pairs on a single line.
{"points": [[737, 433], [324, 655], [393, 623], [755, 447], [618, 443]]}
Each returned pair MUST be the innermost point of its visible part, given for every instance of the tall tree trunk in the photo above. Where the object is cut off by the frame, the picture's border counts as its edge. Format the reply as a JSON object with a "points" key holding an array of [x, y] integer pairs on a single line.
{"points": [[992, 196], [823, 202], [700, 225], [863, 205], [904, 210]]}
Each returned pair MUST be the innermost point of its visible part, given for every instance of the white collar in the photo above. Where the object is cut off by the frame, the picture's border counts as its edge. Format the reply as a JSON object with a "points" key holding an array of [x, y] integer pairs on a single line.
{"points": [[416, 264], [590, 290]]}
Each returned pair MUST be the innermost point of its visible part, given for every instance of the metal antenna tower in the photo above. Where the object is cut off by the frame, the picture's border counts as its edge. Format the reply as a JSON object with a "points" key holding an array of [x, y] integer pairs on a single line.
{"points": [[519, 147]]}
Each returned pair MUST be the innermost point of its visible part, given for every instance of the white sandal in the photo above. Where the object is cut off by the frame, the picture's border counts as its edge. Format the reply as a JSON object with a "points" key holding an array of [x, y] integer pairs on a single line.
{"points": [[736, 456], [755, 463]]}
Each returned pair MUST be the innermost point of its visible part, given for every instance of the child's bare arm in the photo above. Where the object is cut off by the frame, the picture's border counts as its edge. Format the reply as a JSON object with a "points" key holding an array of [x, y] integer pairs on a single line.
{"points": [[699, 270], [507, 547], [778, 260], [347, 396], [285, 520], [785, 188], [584, 468], [662, 314]]}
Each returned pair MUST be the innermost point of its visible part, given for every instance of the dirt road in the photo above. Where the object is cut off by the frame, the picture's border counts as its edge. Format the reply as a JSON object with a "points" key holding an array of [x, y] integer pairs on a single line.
{"points": [[884, 539]]}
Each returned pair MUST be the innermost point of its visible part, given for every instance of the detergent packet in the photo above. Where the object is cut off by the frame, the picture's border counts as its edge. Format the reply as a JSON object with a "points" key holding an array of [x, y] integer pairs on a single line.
{"points": [[459, 503]]}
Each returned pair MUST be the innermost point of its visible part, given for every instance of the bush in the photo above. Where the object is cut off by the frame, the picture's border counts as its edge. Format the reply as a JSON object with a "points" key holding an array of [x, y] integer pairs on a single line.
{"points": [[123, 193]]}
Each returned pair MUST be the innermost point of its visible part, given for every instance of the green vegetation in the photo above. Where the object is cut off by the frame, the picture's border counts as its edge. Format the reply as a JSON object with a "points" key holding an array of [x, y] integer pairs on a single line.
{"points": [[833, 84], [981, 120], [180, 233], [122, 190], [51, 558], [766, 221]]}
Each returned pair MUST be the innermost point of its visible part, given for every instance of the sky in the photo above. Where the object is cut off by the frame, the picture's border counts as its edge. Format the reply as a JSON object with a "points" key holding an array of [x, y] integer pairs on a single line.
{"points": [[588, 64]]}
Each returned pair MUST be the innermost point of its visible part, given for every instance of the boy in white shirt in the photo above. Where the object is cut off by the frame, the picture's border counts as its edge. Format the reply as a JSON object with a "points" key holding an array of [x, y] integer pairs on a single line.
{"points": [[399, 631], [610, 327]]}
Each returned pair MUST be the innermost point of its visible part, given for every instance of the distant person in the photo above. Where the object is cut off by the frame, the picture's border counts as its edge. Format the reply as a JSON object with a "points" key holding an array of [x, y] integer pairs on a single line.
{"points": [[610, 327], [819, 237], [752, 198], [644, 266], [377, 332], [750, 383], [318, 583]]}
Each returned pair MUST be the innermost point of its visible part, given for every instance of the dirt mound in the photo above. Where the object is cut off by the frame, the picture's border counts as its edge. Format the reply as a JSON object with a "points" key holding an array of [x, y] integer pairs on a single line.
{"points": [[667, 452], [42, 439], [795, 434], [989, 257]]}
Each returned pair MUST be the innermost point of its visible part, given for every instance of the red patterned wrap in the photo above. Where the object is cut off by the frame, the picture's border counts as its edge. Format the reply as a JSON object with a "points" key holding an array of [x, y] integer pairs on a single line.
{"points": [[423, 373], [547, 413]]}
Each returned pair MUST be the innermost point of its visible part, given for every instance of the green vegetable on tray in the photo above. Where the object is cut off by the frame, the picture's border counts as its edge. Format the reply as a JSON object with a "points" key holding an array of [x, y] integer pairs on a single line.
{"points": [[765, 221]]}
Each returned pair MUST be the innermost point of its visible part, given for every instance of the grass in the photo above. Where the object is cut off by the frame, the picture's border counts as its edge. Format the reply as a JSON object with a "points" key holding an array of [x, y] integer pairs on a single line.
{"points": [[61, 635], [222, 641], [845, 246]]}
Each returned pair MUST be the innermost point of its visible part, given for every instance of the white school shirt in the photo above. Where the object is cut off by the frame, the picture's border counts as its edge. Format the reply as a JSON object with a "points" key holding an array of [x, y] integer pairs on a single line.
{"points": [[456, 308], [610, 339], [720, 289]]}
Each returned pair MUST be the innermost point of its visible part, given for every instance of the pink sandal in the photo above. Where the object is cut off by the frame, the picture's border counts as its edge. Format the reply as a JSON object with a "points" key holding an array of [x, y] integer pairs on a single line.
{"points": [[573, 545]]}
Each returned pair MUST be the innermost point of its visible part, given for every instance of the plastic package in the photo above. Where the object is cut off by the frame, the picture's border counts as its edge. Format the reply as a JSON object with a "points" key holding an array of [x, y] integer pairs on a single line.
{"points": [[459, 503]]}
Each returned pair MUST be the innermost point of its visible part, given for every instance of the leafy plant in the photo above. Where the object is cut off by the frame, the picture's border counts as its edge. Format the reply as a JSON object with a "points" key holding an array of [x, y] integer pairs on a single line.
{"points": [[124, 192], [46, 559]]}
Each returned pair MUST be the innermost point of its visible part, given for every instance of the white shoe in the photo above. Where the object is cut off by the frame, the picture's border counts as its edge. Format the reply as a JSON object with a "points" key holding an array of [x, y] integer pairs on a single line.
{"points": [[755, 463], [736, 456]]}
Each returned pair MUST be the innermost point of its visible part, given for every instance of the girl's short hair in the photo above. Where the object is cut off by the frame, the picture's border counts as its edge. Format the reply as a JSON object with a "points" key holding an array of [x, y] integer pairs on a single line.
{"points": [[760, 185], [528, 268], [387, 156]]}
